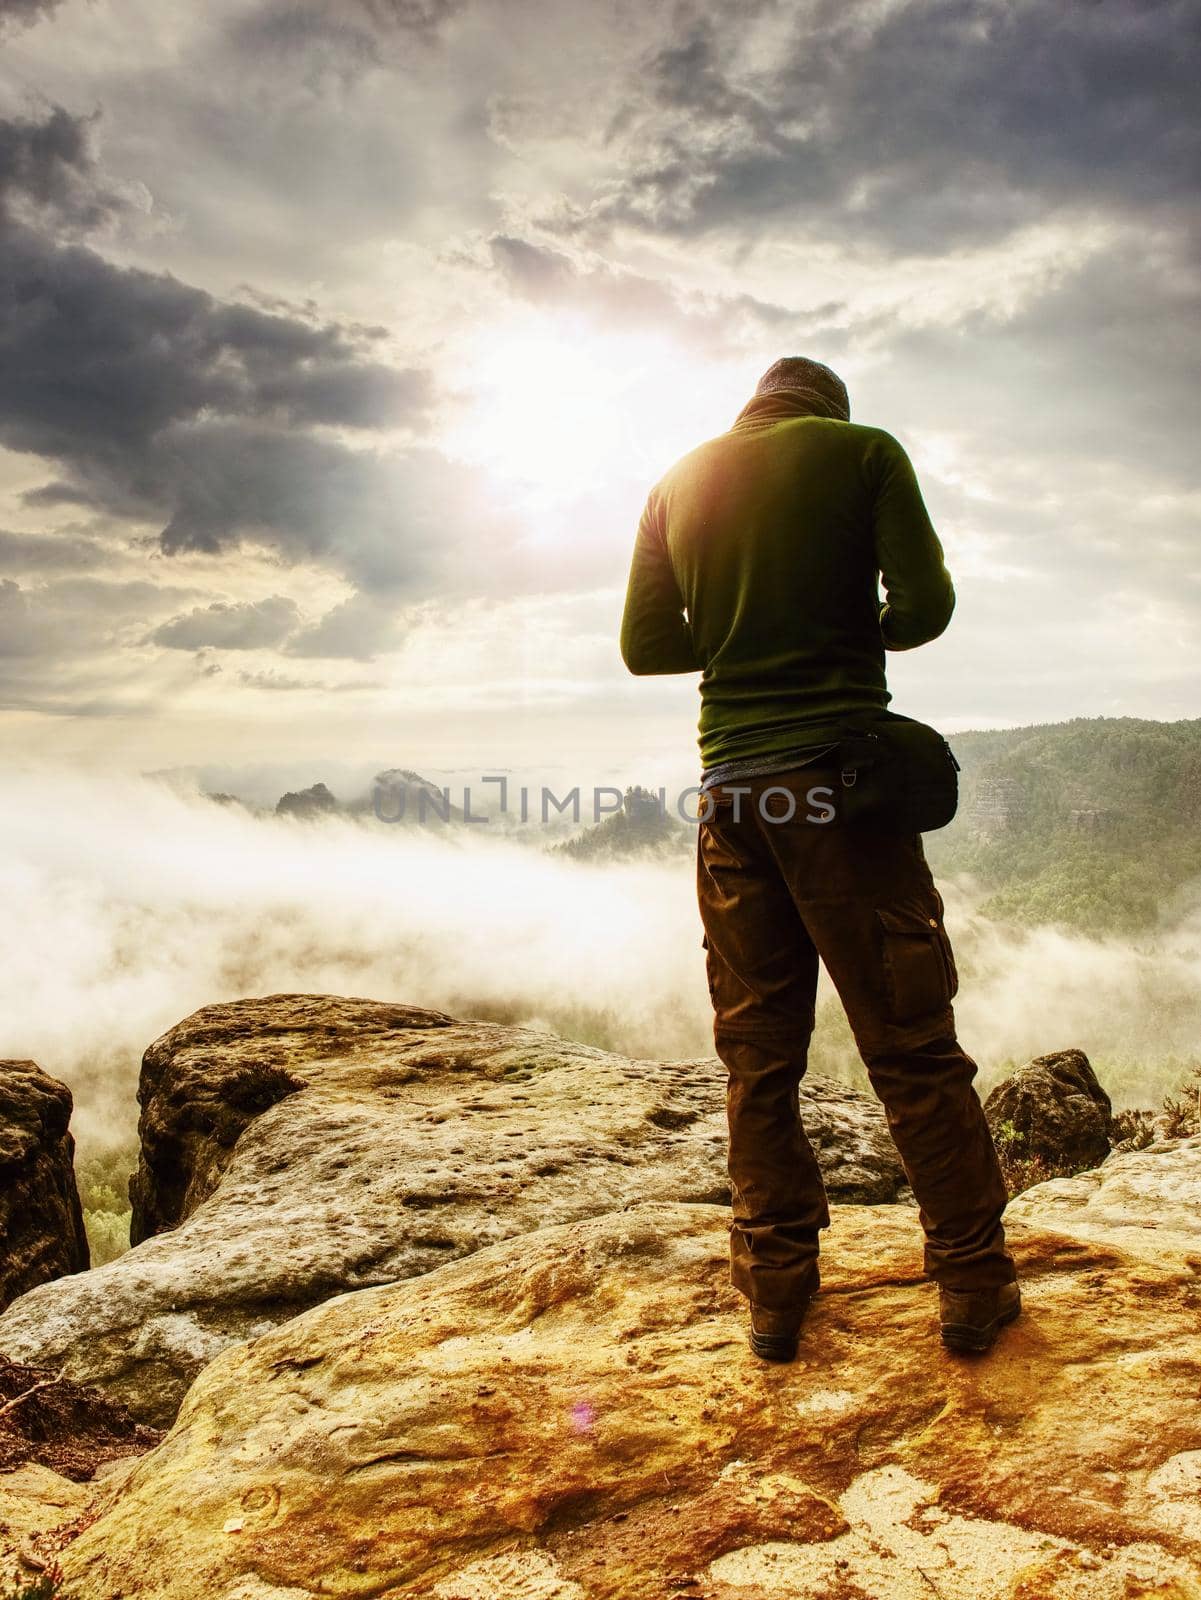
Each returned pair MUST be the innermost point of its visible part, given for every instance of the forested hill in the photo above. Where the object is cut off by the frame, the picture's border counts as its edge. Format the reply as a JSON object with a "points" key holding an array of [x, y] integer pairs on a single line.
{"points": [[1095, 822]]}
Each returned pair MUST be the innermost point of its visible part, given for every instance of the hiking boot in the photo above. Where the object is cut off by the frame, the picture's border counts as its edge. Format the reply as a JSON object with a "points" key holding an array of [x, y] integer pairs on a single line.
{"points": [[971, 1318], [773, 1335]]}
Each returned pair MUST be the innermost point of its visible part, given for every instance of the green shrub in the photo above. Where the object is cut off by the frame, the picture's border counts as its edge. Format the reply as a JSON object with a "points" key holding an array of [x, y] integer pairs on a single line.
{"points": [[102, 1178], [108, 1234], [1021, 1170], [1183, 1109]]}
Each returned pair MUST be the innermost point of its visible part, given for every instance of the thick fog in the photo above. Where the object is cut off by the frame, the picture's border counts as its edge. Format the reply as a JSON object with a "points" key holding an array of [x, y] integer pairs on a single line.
{"points": [[128, 904]]}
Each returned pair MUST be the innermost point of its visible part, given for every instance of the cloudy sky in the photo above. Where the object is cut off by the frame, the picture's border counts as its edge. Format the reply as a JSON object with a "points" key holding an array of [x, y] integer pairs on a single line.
{"points": [[341, 340]]}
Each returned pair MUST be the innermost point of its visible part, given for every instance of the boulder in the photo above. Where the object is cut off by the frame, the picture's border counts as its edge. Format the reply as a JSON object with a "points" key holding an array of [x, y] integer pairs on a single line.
{"points": [[574, 1415], [41, 1222], [298, 1146], [1052, 1115]]}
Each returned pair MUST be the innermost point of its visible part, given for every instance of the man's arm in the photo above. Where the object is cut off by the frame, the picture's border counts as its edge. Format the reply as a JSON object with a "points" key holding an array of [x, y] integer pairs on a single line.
{"points": [[655, 636], [918, 593]]}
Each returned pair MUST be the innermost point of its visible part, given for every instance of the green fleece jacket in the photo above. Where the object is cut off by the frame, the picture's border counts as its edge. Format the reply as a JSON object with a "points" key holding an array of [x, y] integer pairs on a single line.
{"points": [[759, 561]]}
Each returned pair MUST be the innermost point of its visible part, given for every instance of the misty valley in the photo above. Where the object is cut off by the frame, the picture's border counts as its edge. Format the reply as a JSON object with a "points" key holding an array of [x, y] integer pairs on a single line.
{"points": [[1071, 878]]}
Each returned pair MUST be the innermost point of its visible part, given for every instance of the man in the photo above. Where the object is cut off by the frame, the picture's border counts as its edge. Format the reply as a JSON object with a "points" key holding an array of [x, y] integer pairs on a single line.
{"points": [[758, 561]]}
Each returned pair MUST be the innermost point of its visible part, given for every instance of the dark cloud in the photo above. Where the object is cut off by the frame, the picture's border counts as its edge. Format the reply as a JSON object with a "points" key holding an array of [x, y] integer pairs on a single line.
{"points": [[343, 36], [159, 402], [531, 269], [98, 359], [1093, 378], [916, 125], [72, 617], [236, 625], [416, 15], [21, 13], [18, 632], [48, 170], [383, 520]]}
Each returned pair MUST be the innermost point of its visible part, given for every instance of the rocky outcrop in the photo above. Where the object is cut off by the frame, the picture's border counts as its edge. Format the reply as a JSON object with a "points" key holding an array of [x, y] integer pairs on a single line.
{"points": [[1145, 1200], [641, 828], [405, 799], [299, 1146], [317, 801], [574, 1415], [41, 1223], [1052, 1113]]}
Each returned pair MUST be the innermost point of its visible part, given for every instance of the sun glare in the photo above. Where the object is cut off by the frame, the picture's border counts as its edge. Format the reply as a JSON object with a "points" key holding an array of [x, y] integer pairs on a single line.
{"points": [[559, 409]]}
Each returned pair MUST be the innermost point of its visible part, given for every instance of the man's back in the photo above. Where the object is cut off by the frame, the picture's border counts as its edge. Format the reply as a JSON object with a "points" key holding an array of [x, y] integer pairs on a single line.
{"points": [[756, 563], [771, 537]]}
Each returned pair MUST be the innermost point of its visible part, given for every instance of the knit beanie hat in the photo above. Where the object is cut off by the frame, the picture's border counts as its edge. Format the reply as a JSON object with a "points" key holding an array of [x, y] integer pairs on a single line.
{"points": [[798, 372]]}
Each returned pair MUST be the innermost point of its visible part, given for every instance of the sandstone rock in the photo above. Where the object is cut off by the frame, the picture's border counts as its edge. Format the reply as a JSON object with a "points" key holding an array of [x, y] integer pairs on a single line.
{"points": [[1141, 1200], [1052, 1113], [41, 1223], [35, 1504], [574, 1415], [299, 1146]]}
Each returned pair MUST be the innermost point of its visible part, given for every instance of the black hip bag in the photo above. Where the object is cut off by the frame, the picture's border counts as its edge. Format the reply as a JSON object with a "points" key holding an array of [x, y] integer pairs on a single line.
{"points": [[897, 774]]}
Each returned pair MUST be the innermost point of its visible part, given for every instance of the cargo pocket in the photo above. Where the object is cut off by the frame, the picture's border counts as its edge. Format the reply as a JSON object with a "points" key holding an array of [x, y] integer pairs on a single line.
{"points": [[948, 954], [919, 974]]}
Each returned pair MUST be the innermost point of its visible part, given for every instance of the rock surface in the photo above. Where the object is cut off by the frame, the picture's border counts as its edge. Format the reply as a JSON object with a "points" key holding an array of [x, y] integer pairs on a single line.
{"points": [[35, 1503], [1053, 1112], [1147, 1200], [299, 1146], [573, 1415], [41, 1223]]}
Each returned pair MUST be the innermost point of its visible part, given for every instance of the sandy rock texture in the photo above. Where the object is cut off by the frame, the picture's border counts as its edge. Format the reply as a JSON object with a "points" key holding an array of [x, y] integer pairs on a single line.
{"points": [[35, 1504], [41, 1223], [1144, 1200], [298, 1146], [573, 1415]]}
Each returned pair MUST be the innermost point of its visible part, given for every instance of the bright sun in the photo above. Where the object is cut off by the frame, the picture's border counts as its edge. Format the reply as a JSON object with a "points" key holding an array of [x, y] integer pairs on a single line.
{"points": [[560, 408]]}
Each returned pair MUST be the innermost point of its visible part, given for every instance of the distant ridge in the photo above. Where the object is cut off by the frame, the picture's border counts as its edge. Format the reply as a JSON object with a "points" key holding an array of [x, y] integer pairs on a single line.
{"points": [[641, 828], [1094, 823]]}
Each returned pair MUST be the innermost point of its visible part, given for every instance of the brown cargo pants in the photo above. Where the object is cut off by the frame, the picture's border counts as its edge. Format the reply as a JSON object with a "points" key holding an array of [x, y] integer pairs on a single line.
{"points": [[777, 891]]}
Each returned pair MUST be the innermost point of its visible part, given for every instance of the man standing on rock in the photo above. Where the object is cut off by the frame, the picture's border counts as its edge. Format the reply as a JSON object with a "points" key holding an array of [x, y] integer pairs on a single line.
{"points": [[758, 562]]}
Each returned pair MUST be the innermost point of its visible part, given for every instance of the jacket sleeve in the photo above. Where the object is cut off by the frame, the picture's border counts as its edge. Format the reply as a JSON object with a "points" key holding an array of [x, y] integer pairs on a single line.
{"points": [[918, 594], [655, 636]]}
